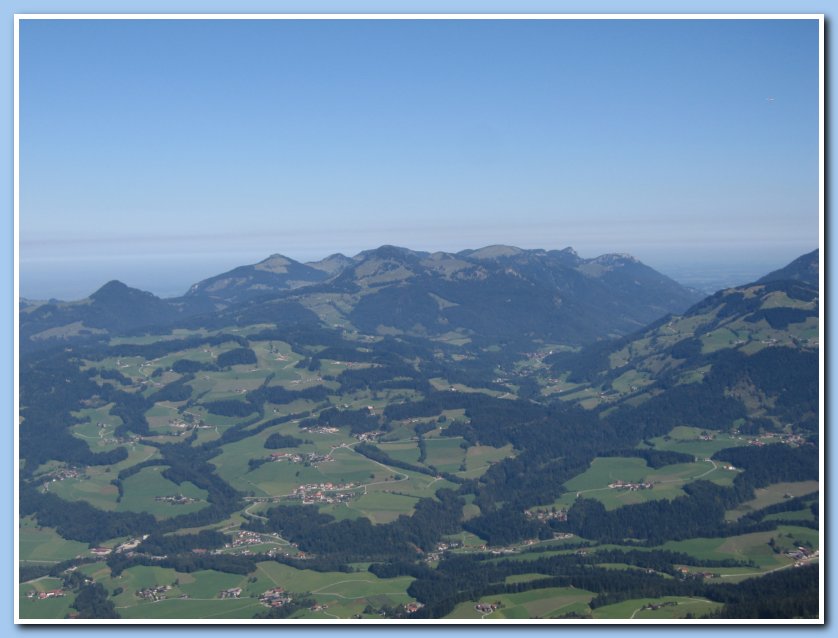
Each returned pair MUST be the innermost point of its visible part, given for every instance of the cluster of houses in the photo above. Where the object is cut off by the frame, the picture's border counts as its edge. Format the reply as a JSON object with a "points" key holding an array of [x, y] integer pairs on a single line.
{"points": [[328, 493], [308, 380], [631, 487], [372, 436], [233, 592], [276, 597], [43, 595], [176, 499], [432, 557], [655, 606], [794, 440], [687, 574], [127, 548], [312, 458], [62, 474], [153, 594], [486, 608], [320, 429], [245, 537], [800, 553], [547, 515], [130, 544]]}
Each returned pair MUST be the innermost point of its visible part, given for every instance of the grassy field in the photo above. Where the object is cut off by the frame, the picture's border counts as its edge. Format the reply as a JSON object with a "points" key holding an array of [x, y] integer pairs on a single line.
{"points": [[142, 488], [406, 451], [161, 415], [345, 594], [747, 547], [44, 545], [201, 587], [537, 603], [99, 439], [281, 478], [480, 457], [682, 606], [94, 487], [382, 507], [445, 454], [686, 439], [776, 493], [230, 608], [667, 480], [626, 381], [49, 608], [718, 339]]}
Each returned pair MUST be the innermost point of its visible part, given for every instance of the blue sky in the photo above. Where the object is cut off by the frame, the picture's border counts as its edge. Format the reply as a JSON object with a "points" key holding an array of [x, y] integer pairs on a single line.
{"points": [[157, 147]]}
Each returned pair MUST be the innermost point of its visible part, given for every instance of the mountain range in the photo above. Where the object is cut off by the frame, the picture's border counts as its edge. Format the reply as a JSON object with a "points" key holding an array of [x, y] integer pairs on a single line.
{"points": [[496, 292]]}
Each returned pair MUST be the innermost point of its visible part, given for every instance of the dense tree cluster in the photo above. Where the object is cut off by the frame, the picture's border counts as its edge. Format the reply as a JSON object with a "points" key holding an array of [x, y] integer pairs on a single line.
{"points": [[92, 602], [237, 356], [278, 441], [360, 540]]}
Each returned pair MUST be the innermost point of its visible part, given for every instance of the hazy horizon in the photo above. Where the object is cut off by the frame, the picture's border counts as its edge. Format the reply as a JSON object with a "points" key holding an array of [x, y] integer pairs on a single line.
{"points": [[171, 275], [672, 140]]}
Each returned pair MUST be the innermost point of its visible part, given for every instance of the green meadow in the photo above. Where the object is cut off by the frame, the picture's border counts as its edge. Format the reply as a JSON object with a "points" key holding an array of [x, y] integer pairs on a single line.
{"points": [[549, 602], [771, 495], [44, 545], [677, 607]]}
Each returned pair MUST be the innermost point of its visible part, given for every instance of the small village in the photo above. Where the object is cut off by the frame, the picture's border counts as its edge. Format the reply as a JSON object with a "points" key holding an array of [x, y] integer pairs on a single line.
{"points": [[61, 474], [801, 553], [320, 429], [153, 594], [370, 437], [43, 595], [547, 515], [276, 597], [176, 499], [631, 487], [324, 493], [311, 458], [486, 608], [656, 606]]}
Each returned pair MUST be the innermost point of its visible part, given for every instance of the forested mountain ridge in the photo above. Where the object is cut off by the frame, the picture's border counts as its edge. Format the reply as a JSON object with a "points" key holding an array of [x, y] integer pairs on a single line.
{"points": [[805, 268], [756, 327], [530, 295], [269, 276]]}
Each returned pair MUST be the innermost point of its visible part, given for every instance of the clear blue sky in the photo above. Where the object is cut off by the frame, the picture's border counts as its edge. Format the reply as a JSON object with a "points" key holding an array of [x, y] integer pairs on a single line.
{"points": [[188, 147]]}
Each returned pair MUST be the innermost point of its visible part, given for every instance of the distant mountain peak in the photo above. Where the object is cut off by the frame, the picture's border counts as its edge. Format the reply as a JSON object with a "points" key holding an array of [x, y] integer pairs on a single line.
{"points": [[276, 263], [272, 275], [495, 251], [332, 264], [610, 259], [115, 289], [388, 251], [113, 284]]}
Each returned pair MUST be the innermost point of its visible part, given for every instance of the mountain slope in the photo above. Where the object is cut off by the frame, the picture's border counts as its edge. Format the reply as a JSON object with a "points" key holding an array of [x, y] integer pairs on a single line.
{"points": [[115, 307], [270, 276], [494, 296], [497, 293], [805, 268], [735, 341]]}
